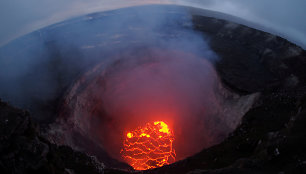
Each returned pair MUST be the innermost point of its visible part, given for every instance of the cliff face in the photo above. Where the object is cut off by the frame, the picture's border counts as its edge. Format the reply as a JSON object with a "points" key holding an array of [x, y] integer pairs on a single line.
{"points": [[252, 60], [24, 150]]}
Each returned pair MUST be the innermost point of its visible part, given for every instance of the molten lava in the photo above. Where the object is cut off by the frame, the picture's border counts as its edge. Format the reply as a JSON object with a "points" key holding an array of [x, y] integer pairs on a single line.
{"points": [[149, 147]]}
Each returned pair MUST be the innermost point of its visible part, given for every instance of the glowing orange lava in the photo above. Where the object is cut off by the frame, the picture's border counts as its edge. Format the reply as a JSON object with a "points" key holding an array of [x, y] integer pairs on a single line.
{"points": [[149, 147]]}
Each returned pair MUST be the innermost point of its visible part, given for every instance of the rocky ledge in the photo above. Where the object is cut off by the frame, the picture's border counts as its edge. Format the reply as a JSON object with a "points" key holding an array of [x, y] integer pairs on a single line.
{"points": [[24, 150]]}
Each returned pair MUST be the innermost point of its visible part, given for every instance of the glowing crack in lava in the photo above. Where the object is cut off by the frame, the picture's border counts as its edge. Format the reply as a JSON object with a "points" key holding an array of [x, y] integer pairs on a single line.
{"points": [[149, 147]]}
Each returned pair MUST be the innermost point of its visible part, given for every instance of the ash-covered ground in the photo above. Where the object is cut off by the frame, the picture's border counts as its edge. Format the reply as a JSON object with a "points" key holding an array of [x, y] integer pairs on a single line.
{"points": [[269, 139]]}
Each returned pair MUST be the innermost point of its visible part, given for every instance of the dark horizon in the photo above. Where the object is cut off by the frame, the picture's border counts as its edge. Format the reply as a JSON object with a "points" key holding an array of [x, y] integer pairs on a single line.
{"points": [[283, 17]]}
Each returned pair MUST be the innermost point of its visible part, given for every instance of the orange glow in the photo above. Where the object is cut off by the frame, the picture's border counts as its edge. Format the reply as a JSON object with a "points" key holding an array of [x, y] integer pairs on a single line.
{"points": [[164, 127], [129, 135], [149, 147]]}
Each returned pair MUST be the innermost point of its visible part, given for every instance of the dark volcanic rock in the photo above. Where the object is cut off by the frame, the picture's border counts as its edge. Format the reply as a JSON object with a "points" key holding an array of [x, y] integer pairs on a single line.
{"points": [[23, 150], [252, 60], [270, 139]]}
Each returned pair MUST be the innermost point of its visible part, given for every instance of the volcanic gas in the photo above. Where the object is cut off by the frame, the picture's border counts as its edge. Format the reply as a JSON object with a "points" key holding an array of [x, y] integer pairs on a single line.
{"points": [[148, 107], [149, 147]]}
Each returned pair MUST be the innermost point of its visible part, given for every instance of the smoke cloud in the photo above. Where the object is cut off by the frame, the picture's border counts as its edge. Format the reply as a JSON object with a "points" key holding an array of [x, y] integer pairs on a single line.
{"points": [[157, 68], [170, 86], [117, 70]]}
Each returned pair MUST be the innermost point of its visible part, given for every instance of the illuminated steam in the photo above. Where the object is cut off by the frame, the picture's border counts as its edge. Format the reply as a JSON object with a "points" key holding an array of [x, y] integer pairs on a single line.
{"points": [[103, 74]]}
